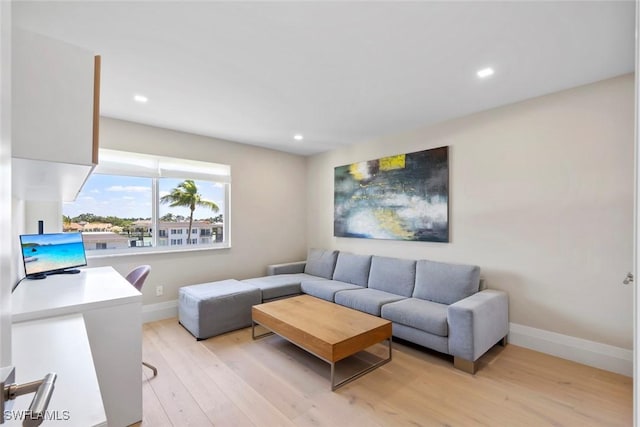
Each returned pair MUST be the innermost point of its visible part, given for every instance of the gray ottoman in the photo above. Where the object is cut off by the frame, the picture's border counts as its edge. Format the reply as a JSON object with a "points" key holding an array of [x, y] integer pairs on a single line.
{"points": [[214, 308]]}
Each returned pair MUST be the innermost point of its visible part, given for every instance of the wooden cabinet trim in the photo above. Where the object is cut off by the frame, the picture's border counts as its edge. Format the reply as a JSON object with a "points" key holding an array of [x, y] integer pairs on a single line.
{"points": [[96, 108]]}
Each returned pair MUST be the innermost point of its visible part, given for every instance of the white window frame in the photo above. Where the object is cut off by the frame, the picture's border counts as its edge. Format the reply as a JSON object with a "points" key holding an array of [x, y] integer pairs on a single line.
{"points": [[123, 163]]}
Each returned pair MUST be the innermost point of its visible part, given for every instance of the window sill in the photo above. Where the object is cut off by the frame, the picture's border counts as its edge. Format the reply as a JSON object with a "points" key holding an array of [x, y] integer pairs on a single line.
{"points": [[151, 251]]}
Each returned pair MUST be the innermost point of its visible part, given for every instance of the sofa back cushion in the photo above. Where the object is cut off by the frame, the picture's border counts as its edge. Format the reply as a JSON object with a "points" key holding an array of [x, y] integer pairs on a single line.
{"points": [[321, 262], [393, 275], [445, 283], [352, 268]]}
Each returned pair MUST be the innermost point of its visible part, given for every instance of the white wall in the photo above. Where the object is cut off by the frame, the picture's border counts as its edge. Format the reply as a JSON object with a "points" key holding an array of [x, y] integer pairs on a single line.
{"points": [[48, 212], [541, 198], [268, 214]]}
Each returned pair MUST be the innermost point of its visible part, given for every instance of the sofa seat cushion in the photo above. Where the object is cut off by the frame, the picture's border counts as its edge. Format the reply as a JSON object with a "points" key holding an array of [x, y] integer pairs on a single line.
{"points": [[352, 268], [366, 299], [326, 289], [394, 275], [279, 285], [321, 263], [445, 283], [425, 315]]}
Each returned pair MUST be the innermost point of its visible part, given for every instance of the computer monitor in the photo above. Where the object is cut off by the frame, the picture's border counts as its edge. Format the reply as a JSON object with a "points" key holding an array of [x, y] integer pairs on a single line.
{"points": [[53, 253]]}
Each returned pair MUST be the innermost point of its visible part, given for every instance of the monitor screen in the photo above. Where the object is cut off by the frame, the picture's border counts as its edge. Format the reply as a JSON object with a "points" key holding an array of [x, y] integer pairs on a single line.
{"points": [[47, 253]]}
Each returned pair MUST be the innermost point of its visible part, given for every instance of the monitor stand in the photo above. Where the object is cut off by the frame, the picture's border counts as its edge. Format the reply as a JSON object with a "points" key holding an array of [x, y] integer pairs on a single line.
{"points": [[40, 276], [68, 271]]}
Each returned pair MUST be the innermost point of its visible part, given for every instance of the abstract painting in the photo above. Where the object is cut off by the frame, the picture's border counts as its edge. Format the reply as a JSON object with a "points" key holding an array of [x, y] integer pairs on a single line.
{"points": [[402, 197]]}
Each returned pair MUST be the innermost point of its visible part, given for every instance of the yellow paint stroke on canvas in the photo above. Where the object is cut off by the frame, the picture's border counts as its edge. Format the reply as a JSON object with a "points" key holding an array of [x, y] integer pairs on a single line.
{"points": [[389, 220], [392, 162], [359, 171]]}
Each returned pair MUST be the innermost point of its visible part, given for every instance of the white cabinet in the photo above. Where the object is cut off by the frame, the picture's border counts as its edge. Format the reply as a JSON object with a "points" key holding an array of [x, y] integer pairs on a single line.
{"points": [[55, 116], [58, 345], [112, 312]]}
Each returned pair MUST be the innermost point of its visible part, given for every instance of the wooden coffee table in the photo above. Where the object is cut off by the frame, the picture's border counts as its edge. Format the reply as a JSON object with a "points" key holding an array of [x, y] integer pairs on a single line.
{"points": [[327, 330]]}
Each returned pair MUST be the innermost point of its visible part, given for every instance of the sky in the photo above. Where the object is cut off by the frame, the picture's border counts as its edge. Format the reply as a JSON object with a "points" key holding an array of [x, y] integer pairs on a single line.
{"points": [[130, 197]]}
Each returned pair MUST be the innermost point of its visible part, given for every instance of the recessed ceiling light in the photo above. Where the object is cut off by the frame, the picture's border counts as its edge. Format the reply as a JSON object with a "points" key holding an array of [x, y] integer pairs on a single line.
{"points": [[485, 72], [298, 137], [140, 98]]}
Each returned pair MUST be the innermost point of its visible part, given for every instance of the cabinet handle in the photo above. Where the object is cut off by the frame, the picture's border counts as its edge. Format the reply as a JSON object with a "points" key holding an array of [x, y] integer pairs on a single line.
{"points": [[43, 390], [40, 401]]}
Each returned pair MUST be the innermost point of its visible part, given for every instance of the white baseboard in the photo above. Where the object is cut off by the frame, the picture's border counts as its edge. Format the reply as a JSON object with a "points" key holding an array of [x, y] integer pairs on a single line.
{"points": [[602, 356], [159, 311], [591, 353]]}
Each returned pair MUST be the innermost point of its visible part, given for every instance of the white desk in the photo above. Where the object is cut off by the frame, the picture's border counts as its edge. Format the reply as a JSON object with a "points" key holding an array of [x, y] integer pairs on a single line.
{"points": [[111, 309], [63, 348]]}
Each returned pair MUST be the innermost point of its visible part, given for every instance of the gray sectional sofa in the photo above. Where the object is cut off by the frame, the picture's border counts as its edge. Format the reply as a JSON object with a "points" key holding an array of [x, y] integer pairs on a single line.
{"points": [[434, 304]]}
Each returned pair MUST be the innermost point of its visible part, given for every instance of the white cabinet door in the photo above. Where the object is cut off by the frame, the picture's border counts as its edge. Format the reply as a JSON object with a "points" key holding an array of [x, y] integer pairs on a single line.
{"points": [[6, 243], [636, 307], [53, 94], [55, 115]]}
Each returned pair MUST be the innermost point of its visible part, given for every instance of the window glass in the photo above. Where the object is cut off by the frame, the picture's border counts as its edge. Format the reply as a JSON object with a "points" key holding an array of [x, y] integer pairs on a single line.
{"points": [[178, 197], [112, 212], [127, 213]]}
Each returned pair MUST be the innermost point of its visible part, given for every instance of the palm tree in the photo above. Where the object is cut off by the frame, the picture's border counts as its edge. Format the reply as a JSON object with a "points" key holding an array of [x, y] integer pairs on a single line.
{"points": [[186, 195]]}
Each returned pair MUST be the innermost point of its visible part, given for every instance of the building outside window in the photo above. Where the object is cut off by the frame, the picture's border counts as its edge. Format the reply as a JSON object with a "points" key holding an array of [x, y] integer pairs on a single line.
{"points": [[133, 202]]}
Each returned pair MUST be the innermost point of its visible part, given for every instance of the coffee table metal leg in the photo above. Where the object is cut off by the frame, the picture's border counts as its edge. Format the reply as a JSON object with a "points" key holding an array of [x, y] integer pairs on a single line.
{"points": [[357, 375], [253, 331]]}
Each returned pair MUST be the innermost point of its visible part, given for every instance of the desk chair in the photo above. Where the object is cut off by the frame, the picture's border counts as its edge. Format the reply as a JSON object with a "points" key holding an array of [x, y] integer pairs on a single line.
{"points": [[136, 277]]}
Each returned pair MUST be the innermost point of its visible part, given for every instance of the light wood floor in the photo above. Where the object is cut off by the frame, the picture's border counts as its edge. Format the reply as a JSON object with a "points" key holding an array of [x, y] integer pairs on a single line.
{"points": [[231, 380]]}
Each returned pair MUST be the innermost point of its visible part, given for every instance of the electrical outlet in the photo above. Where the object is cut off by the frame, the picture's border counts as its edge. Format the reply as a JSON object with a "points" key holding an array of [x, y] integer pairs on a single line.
{"points": [[159, 291]]}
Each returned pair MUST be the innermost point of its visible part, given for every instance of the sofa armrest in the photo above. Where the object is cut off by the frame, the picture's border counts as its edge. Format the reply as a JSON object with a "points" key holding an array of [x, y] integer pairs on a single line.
{"points": [[288, 268], [477, 323]]}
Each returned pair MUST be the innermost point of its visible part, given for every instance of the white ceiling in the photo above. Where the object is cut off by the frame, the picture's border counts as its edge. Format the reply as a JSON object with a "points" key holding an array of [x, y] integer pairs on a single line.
{"points": [[337, 72]]}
